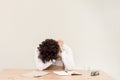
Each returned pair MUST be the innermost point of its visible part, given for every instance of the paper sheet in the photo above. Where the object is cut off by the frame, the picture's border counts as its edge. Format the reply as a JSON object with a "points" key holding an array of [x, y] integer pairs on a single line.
{"points": [[66, 73]]}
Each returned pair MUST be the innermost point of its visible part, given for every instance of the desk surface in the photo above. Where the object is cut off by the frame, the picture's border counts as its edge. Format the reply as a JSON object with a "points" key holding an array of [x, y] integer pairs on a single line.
{"points": [[16, 74]]}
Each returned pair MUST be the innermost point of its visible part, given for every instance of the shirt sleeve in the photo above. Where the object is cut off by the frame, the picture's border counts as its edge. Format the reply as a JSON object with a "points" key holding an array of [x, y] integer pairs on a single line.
{"points": [[67, 57], [39, 64]]}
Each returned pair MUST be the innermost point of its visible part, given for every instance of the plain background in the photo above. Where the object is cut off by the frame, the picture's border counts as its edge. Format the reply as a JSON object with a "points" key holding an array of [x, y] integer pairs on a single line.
{"points": [[90, 27]]}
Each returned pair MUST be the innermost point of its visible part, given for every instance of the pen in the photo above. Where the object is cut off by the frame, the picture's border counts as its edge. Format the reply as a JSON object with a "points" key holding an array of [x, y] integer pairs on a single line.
{"points": [[66, 71]]}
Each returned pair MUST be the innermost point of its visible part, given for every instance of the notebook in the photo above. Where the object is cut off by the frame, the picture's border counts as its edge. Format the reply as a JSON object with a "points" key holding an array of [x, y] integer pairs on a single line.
{"points": [[66, 73], [35, 74]]}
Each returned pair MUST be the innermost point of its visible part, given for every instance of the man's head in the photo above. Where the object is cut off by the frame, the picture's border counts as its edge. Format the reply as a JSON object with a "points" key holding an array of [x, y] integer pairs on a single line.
{"points": [[49, 50]]}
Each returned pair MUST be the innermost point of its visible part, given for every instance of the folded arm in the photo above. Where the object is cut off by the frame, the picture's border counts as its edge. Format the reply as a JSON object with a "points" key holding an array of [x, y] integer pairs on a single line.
{"points": [[67, 58], [39, 64]]}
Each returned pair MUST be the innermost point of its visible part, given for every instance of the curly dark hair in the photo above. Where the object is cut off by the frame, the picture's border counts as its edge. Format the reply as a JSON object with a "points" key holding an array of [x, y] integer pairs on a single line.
{"points": [[48, 50]]}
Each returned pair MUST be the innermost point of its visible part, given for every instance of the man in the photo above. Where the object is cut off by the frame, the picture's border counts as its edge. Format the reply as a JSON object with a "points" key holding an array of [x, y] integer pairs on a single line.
{"points": [[52, 54]]}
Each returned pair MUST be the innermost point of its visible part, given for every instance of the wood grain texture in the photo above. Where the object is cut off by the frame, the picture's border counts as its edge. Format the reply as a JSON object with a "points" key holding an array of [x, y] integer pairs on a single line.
{"points": [[16, 74]]}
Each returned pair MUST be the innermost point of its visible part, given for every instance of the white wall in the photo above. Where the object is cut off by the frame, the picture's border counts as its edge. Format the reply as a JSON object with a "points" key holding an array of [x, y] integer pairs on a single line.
{"points": [[90, 27]]}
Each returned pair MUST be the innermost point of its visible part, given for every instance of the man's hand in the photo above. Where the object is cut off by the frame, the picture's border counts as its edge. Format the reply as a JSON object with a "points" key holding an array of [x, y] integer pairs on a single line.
{"points": [[60, 42]]}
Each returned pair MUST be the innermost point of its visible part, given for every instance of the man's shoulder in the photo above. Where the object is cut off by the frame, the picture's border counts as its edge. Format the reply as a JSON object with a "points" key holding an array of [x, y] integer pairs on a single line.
{"points": [[65, 46]]}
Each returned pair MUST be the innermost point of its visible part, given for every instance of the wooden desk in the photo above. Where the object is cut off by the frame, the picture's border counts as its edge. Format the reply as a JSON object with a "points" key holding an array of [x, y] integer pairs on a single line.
{"points": [[16, 74]]}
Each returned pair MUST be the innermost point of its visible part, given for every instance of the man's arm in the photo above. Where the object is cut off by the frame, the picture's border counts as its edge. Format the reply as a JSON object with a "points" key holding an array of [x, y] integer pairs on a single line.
{"points": [[39, 64], [67, 58]]}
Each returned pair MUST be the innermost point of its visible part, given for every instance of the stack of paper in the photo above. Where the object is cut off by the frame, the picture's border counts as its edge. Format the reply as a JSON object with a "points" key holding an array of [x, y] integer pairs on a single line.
{"points": [[35, 74]]}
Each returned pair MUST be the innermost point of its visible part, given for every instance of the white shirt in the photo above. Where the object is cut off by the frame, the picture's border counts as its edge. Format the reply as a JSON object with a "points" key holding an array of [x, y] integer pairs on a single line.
{"points": [[67, 59]]}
